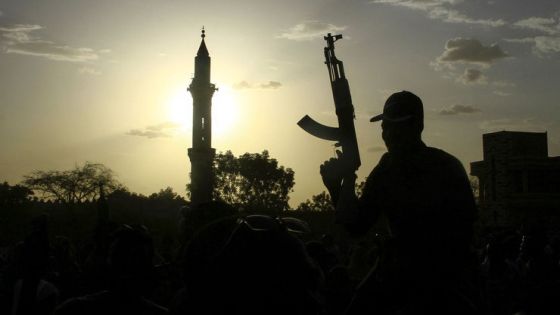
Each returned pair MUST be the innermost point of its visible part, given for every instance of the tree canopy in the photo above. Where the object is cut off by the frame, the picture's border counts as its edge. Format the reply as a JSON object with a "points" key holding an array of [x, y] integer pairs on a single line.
{"points": [[323, 201], [79, 184], [14, 195], [320, 202], [252, 182]]}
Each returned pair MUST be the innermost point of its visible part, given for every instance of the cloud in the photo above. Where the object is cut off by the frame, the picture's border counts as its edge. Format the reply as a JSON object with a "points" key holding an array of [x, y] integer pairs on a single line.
{"points": [[458, 109], [147, 133], [501, 93], [417, 4], [270, 85], [503, 84], [309, 30], [89, 70], [546, 43], [20, 39], [242, 85], [440, 10], [542, 45], [524, 40], [469, 50], [454, 16], [545, 25], [155, 131], [18, 32], [472, 76]]}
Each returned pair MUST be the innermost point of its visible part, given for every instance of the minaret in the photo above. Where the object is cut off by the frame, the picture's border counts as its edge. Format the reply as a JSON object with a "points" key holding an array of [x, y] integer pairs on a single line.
{"points": [[202, 154]]}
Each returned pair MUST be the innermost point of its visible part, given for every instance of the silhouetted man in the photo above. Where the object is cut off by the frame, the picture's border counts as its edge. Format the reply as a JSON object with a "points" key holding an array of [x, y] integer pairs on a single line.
{"points": [[425, 195]]}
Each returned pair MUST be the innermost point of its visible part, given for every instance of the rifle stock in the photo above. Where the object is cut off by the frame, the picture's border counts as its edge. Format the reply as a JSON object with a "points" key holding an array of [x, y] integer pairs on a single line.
{"points": [[345, 133]]}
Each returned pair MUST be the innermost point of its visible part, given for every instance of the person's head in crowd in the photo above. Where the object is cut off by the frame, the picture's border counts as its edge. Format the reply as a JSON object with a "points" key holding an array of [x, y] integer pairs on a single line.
{"points": [[35, 250], [131, 260], [251, 265], [63, 250], [328, 240], [195, 217]]}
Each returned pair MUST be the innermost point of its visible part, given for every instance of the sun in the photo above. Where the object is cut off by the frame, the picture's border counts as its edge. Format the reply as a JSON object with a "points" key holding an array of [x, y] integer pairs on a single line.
{"points": [[225, 111], [179, 109]]}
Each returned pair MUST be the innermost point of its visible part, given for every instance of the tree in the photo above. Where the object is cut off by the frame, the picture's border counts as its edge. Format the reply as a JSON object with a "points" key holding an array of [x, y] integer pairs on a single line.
{"points": [[79, 184], [360, 188], [252, 181], [475, 186], [167, 194], [14, 195], [320, 202], [166, 201], [323, 201]]}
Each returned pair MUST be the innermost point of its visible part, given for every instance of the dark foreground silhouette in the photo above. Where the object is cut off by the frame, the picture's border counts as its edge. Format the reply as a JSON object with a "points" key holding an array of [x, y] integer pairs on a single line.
{"points": [[258, 264], [250, 265], [131, 275], [410, 250]]}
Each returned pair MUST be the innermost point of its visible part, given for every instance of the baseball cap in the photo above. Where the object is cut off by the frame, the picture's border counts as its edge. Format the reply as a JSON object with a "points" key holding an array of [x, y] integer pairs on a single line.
{"points": [[401, 106]]}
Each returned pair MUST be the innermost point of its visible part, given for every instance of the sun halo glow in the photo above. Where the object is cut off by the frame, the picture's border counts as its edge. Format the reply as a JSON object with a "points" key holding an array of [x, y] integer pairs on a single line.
{"points": [[224, 110]]}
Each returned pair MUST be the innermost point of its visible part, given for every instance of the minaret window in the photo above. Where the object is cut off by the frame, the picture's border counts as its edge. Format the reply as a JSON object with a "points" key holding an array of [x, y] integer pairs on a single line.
{"points": [[203, 123]]}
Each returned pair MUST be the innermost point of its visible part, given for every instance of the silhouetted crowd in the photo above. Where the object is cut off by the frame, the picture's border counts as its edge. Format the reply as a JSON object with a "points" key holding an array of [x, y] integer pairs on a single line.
{"points": [[253, 264]]}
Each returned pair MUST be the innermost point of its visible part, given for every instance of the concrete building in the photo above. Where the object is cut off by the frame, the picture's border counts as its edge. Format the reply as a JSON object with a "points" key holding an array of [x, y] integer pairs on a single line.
{"points": [[518, 182], [202, 154]]}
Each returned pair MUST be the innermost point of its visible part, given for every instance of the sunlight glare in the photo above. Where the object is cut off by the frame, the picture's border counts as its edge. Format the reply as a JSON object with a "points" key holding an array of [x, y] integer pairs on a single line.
{"points": [[224, 110], [179, 110]]}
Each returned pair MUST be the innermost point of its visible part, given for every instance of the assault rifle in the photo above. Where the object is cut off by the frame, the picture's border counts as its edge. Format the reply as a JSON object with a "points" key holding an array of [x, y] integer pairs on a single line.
{"points": [[344, 134]]}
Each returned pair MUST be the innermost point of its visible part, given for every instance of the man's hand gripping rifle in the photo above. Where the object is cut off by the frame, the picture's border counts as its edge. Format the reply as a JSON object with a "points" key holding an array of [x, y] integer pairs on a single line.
{"points": [[345, 134]]}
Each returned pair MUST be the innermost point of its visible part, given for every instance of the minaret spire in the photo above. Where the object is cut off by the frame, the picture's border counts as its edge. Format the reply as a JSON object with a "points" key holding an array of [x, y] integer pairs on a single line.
{"points": [[202, 50], [202, 154]]}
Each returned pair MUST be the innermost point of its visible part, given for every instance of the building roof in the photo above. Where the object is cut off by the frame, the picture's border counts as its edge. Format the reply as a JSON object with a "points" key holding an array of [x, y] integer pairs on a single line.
{"points": [[506, 132]]}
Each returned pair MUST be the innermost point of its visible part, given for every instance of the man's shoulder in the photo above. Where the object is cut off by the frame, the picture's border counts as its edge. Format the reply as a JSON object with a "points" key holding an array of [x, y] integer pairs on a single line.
{"points": [[384, 162], [442, 164], [440, 158], [429, 155], [428, 159], [438, 153], [384, 159]]}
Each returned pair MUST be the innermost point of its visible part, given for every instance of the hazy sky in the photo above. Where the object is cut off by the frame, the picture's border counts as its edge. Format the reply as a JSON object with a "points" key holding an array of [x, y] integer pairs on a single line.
{"points": [[105, 81]]}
